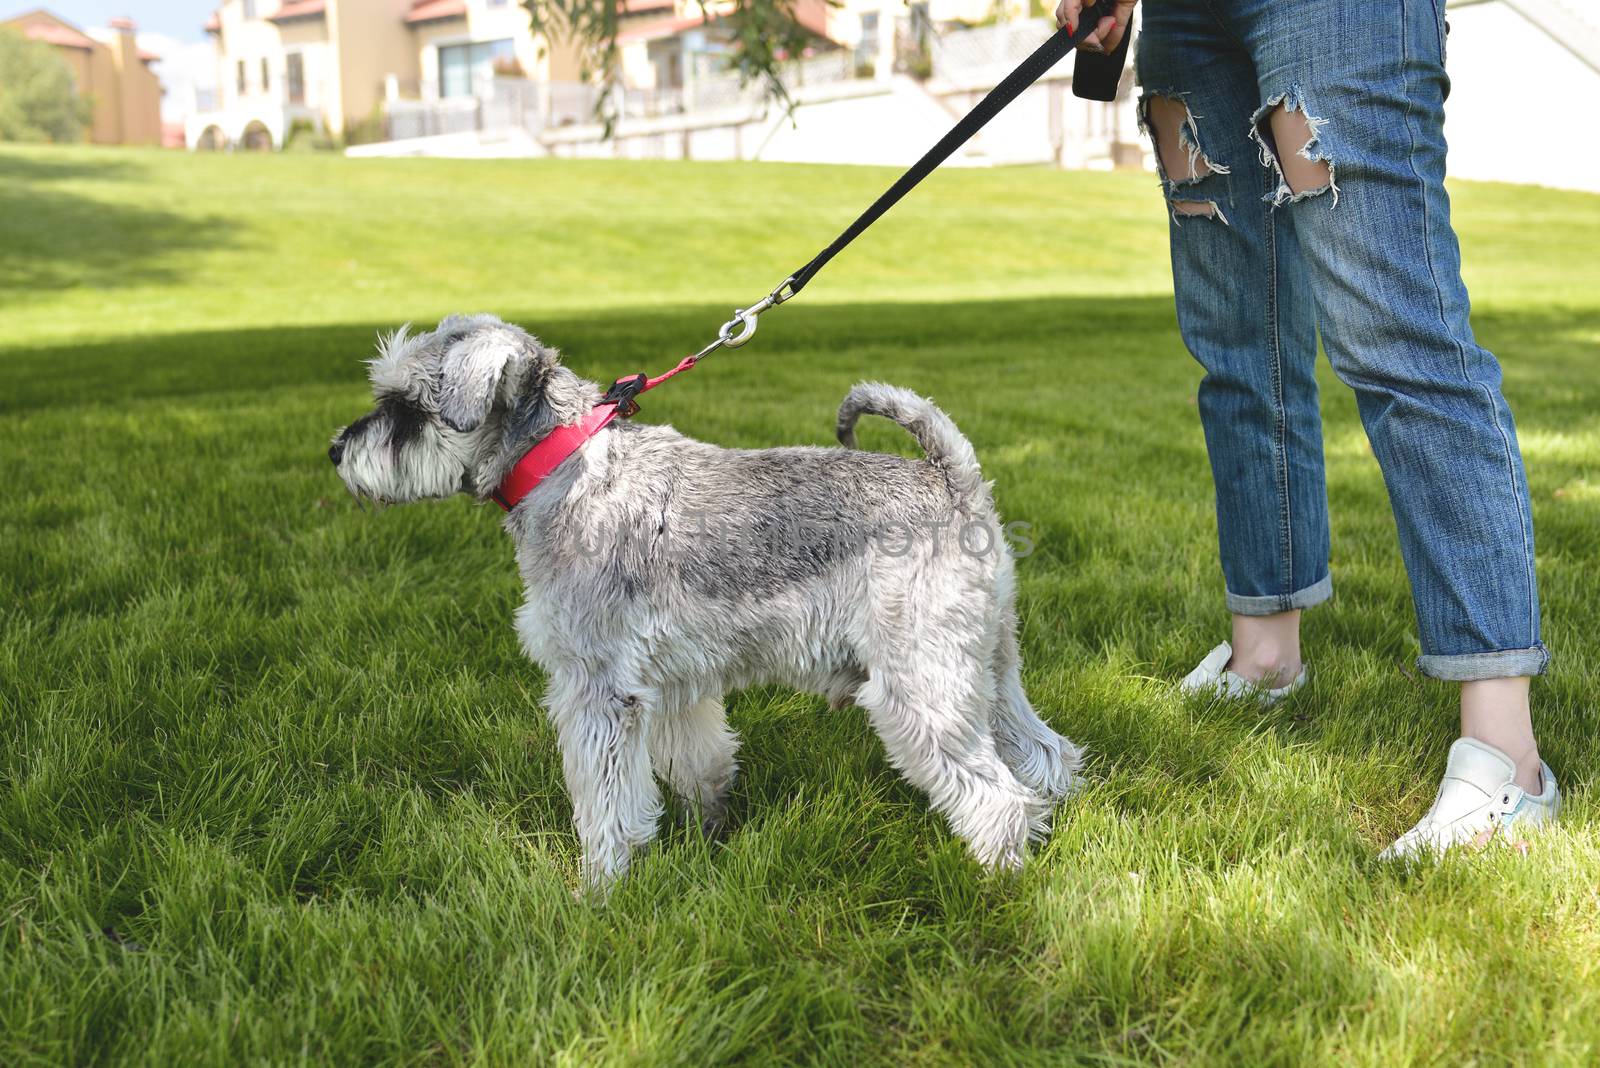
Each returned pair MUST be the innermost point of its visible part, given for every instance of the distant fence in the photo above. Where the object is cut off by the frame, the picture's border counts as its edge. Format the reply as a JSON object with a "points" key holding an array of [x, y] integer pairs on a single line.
{"points": [[430, 118], [982, 56], [500, 105]]}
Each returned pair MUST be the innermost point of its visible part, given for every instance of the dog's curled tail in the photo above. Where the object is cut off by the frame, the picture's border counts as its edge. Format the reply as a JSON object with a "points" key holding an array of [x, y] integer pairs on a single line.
{"points": [[947, 448]]}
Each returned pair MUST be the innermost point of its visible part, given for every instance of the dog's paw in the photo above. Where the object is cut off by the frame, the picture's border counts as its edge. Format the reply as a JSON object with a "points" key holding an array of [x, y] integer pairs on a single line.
{"points": [[715, 819]]}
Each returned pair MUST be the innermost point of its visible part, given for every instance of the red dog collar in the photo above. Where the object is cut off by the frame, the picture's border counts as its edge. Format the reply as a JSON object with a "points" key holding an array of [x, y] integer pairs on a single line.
{"points": [[539, 462]]}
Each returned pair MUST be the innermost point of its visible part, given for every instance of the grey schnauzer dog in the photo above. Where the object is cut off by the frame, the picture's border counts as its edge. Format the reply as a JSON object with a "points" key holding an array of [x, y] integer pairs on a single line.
{"points": [[661, 572]]}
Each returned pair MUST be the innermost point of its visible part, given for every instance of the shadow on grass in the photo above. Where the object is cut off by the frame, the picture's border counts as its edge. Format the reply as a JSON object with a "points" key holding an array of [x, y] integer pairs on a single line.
{"points": [[55, 238], [31, 168], [795, 342], [1542, 349]]}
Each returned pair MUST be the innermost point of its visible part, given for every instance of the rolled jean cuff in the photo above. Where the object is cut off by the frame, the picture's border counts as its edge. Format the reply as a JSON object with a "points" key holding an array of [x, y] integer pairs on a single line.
{"points": [[1272, 604], [1470, 667]]}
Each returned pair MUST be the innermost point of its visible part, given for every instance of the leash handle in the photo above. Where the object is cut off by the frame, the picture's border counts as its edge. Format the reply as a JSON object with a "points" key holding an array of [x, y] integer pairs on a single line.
{"points": [[1096, 75], [1029, 71]]}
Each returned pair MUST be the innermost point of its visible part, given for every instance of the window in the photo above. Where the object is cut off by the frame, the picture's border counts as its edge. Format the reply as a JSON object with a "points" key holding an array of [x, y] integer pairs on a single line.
{"points": [[240, 78], [266, 76], [867, 50], [294, 76], [460, 65], [249, 9]]}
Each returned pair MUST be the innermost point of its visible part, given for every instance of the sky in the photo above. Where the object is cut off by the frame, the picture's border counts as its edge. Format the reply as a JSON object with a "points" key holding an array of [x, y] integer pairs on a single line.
{"points": [[172, 29], [180, 20]]}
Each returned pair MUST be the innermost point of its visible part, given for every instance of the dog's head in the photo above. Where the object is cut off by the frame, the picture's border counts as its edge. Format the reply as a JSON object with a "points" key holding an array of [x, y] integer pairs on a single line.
{"points": [[454, 409]]}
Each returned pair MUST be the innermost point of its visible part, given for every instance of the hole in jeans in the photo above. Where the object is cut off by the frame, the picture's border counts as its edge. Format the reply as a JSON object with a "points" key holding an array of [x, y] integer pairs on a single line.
{"points": [[1175, 135], [1204, 208], [1303, 172]]}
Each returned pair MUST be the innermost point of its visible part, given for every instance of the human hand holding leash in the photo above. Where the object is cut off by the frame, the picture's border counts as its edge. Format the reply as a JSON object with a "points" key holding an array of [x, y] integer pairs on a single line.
{"points": [[1113, 22]]}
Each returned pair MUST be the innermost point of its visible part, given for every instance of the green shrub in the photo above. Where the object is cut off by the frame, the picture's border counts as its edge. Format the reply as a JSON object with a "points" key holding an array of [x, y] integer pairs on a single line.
{"points": [[38, 100]]}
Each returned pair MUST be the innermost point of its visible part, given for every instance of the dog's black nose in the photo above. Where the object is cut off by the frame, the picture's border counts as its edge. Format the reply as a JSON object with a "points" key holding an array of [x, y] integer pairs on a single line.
{"points": [[336, 450]]}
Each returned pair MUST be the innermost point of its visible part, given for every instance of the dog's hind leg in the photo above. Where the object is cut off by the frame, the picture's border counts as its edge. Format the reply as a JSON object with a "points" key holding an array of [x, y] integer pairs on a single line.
{"points": [[934, 722], [615, 803], [1038, 756], [693, 750]]}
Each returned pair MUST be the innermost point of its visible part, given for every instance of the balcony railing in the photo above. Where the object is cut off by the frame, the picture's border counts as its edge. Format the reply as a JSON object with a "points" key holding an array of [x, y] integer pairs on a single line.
{"points": [[499, 105]]}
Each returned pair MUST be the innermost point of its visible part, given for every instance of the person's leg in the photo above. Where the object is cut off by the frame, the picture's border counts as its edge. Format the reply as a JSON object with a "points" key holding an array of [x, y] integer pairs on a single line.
{"points": [[1246, 314], [1351, 126]]}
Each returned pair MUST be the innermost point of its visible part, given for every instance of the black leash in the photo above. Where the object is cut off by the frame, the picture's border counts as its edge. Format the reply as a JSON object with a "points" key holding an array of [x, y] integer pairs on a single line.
{"points": [[1095, 77]]}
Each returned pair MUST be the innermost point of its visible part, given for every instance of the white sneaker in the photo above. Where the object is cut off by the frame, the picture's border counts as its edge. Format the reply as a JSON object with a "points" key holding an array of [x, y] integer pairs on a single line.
{"points": [[1213, 677], [1479, 798]]}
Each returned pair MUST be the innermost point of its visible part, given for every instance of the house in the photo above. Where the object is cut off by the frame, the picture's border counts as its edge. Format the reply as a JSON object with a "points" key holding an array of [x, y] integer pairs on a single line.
{"points": [[666, 45], [113, 74], [288, 63], [329, 65], [459, 42]]}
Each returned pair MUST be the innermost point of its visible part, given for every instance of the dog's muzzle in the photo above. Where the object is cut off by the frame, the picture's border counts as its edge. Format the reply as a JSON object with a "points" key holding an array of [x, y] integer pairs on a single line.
{"points": [[336, 450]]}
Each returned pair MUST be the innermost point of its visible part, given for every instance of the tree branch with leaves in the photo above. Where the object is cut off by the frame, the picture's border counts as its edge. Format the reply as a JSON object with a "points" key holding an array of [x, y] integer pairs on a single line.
{"points": [[764, 34]]}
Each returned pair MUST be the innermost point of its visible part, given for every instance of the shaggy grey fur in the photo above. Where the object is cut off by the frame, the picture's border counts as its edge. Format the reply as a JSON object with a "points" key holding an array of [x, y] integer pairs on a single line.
{"points": [[662, 572]]}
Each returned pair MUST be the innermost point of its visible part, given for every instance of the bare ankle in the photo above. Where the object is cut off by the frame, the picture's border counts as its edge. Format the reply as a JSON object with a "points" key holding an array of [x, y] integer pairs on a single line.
{"points": [[1497, 713], [1266, 667], [1266, 649]]}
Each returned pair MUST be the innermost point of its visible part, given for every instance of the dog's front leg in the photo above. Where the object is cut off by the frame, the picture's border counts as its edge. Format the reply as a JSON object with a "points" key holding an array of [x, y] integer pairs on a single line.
{"points": [[604, 753], [694, 750]]}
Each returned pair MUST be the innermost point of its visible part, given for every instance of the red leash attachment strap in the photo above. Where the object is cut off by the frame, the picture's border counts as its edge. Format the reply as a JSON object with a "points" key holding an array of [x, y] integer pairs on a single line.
{"points": [[683, 365], [539, 462], [623, 390]]}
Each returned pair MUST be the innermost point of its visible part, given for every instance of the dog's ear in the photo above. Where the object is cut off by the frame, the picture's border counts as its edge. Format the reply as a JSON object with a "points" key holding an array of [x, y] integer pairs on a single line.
{"points": [[472, 369], [530, 414]]}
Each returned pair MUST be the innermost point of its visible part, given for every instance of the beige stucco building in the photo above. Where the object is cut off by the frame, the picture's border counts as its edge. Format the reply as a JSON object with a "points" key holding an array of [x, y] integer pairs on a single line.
{"points": [[113, 74], [332, 63], [458, 40]]}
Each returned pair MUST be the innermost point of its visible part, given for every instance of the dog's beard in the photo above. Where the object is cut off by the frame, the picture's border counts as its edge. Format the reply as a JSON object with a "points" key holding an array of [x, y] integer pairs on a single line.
{"points": [[375, 471]]}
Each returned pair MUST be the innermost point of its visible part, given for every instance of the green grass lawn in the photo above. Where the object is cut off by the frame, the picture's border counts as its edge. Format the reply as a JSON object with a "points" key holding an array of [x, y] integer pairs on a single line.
{"points": [[275, 786]]}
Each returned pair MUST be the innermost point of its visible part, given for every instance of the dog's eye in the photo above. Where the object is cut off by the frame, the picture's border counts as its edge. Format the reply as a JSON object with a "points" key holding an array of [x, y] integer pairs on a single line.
{"points": [[406, 419]]}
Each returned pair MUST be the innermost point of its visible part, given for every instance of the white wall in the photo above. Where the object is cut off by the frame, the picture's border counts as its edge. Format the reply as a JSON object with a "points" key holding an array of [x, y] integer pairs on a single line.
{"points": [[891, 125], [1521, 105]]}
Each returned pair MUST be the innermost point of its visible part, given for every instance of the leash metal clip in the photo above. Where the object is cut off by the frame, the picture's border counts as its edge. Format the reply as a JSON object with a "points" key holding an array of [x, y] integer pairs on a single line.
{"points": [[744, 320], [742, 327]]}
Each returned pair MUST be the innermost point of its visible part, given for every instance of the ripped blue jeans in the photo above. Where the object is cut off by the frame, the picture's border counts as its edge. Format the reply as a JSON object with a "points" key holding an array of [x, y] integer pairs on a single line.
{"points": [[1367, 257]]}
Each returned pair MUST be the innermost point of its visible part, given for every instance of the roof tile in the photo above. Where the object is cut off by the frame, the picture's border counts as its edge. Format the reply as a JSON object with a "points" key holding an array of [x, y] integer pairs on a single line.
{"points": [[298, 9], [433, 10], [57, 34]]}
